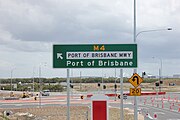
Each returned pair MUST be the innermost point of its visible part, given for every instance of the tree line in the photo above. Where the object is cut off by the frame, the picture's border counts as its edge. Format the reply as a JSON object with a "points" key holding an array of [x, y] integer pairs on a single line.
{"points": [[53, 84], [73, 80]]}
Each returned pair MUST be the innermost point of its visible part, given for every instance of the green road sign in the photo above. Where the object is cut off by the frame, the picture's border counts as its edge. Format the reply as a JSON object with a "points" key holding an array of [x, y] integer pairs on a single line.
{"points": [[95, 56]]}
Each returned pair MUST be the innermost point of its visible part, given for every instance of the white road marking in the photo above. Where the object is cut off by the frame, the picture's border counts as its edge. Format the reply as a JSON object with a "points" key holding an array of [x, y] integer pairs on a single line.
{"points": [[18, 105], [159, 113], [173, 119]]}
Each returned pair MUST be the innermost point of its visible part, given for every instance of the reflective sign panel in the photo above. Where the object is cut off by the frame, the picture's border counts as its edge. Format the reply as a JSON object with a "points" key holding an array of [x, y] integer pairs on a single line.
{"points": [[135, 92], [135, 80], [95, 56]]}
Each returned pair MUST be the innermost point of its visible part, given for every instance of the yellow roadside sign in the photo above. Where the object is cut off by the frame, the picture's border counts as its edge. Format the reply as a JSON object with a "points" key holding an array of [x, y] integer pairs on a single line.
{"points": [[135, 92], [135, 80]]}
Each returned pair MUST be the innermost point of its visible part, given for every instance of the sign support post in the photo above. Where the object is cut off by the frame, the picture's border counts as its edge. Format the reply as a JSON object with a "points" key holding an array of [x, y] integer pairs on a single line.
{"points": [[121, 81], [68, 97], [135, 108], [135, 80], [94, 56]]}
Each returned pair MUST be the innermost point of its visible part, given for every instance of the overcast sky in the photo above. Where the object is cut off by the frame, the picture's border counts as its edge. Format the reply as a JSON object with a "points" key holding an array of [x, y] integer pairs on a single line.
{"points": [[29, 28]]}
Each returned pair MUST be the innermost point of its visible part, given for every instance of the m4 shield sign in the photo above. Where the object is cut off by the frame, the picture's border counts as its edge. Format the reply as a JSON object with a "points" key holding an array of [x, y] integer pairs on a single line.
{"points": [[95, 56]]}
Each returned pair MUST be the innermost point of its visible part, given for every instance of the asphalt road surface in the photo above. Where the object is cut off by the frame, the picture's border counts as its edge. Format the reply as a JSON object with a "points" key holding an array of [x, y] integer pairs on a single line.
{"points": [[146, 104]]}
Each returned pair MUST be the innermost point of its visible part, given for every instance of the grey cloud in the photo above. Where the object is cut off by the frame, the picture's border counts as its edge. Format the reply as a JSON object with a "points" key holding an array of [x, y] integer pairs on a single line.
{"points": [[82, 21], [31, 26], [9, 41], [62, 20], [164, 45]]}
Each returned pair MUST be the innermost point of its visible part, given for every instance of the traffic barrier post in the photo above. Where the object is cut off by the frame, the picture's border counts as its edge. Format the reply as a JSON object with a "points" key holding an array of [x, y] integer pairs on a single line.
{"points": [[177, 99], [170, 107], [169, 98], [164, 96], [163, 104], [155, 116], [157, 104]]}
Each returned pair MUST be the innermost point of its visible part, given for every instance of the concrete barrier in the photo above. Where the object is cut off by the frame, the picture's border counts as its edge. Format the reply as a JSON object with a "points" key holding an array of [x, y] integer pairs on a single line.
{"points": [[142, 94]]}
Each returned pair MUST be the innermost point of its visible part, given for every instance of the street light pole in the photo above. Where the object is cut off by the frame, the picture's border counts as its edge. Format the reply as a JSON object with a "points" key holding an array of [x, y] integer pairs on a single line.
{"points": [[40, 82], [135, 21], [135, 70], [160, 76], [11, 78], [40, 88], [160, 73], [135, 40], [33, 80]]}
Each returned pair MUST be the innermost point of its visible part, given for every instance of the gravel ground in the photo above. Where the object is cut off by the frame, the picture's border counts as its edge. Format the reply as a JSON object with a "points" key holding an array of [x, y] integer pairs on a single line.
{"points": [[59, 113]]}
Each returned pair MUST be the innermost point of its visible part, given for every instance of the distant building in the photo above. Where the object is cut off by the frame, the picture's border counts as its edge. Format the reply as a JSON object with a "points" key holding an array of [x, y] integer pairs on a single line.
{"points": [[176, 76], [151, 76]]}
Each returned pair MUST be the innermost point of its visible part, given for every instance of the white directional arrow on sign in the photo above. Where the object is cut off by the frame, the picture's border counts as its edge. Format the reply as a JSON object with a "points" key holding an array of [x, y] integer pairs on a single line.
{"points": [[59, 56]]}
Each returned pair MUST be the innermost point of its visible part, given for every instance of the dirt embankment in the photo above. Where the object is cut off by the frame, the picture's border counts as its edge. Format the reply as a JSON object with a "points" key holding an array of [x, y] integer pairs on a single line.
{"points": [[59, 113]]}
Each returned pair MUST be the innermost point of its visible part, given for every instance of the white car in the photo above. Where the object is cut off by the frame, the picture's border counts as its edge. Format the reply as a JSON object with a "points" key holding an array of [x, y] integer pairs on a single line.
{"points": [[45, 93]]}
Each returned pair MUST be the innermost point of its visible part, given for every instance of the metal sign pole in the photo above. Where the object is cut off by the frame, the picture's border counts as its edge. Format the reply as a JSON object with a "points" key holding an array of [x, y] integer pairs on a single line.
{"points": [[121, 81], [71, 84], [135, 104], [80, 81], [102, 80], [135, 70], [115, 89], [68, 97]]}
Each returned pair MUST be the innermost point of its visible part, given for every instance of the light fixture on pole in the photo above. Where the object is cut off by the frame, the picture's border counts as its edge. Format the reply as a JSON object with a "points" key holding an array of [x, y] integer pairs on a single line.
{"points": [[153, 30], [135, 41]]}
